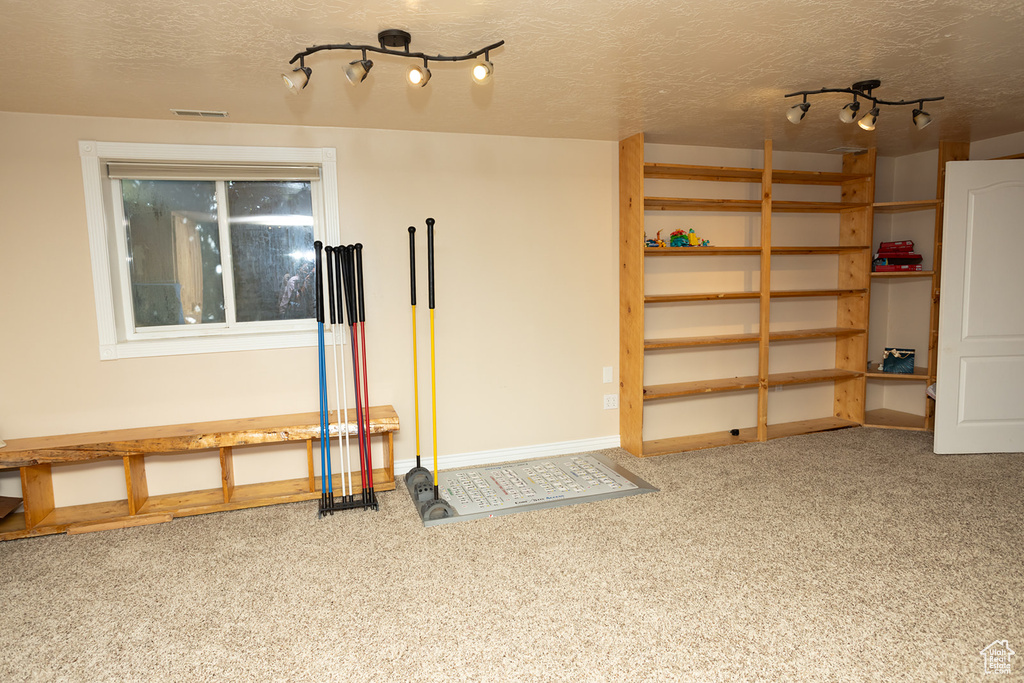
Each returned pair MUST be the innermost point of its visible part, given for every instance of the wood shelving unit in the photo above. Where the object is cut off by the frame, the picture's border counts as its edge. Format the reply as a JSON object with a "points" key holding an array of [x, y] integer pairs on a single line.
{"points": [[920, 414], [851, 292], [36, 459]]}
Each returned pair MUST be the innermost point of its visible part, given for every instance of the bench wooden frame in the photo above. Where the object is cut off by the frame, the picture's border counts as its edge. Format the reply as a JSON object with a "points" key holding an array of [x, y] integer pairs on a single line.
{"points": [[36, 457]]}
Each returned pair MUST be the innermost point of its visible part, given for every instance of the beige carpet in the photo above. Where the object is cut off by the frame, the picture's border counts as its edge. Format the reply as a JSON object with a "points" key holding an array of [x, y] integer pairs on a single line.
{"points": [[855, 555]]}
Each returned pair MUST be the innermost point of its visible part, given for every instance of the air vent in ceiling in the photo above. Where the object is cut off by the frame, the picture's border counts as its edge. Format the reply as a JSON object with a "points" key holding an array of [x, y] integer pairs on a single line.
{"points": [[848, 150], [199, 114]]}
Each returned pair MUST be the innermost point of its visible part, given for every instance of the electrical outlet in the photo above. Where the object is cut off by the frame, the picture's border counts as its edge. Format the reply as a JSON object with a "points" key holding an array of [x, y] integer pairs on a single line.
{"points": [[611, 401]]}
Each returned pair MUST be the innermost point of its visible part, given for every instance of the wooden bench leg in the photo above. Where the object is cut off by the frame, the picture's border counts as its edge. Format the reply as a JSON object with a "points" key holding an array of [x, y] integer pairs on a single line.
{"points": [[135, 480], [37, 492], [227, 472]]}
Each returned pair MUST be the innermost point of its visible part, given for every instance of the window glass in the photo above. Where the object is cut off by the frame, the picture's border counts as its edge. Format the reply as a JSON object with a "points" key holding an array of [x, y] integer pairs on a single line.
{"points": [[173, 245], [271, 249]]}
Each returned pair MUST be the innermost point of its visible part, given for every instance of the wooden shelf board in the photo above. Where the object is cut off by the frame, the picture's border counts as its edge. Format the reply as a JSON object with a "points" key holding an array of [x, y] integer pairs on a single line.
{"points": [[822, 424], [711, 173], [749, 338], [894, 419], [704, 386], [8, 504], [920, 374], [794, 293], [815, 333], [746, 205], [810, 376], [752, 251], [698, 251], [72, 514], [680, 444], [746, 175], [185, 503], [787, 251], [903, 207], [904, 273], [170, 439], [710, 340], [13, 523], [708, 296]]}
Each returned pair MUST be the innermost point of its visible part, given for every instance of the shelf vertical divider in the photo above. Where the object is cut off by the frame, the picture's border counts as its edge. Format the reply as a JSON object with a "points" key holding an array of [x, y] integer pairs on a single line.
{"points": [[855, 229], [631, 293], [227, 472], [135, 482], [37, 493], [948, 151], [765, 293]]}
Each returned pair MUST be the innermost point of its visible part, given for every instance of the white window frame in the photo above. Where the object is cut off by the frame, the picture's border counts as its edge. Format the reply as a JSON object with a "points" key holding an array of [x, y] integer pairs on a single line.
{"points": [[118, 338]]}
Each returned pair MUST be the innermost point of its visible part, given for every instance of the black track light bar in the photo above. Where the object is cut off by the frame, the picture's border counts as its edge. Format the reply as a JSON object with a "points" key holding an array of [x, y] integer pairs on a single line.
{"points": [[864, 89], [392, 42]]}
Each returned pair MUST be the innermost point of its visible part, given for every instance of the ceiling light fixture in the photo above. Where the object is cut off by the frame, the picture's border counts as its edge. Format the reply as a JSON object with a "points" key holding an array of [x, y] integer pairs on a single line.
{"points": [[356, 71], [297, 79], [921, 117], [796, 114], [418, 75], [483, 69], [395, 42], [862, 89]]}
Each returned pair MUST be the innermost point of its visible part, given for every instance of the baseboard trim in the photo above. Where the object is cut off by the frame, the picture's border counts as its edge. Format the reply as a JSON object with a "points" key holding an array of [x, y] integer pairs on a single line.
{"points": [[478, 458]]}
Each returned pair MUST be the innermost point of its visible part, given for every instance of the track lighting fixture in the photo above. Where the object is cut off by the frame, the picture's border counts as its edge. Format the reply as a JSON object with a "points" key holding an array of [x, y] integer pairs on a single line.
{"points": [[418, 75], [921, 117], [392, 42], [483, 69], [867, 122], [298, 79], [848, 113], [796, 114], [356, 71]]}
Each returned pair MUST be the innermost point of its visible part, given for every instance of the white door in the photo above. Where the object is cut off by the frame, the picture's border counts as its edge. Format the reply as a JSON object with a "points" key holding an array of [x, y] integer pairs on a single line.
{"points": [[979, 406]]}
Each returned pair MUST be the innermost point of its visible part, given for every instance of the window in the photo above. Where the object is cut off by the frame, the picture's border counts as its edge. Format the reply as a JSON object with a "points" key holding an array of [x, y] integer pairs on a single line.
{"points": [[202, 248]]}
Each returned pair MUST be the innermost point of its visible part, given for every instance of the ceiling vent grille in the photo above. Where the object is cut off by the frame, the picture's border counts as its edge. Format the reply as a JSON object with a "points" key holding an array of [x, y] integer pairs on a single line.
{"points": [[199, 114]]}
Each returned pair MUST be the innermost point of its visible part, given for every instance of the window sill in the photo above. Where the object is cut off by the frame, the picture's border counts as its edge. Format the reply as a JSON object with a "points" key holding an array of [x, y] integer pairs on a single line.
{"points": [[143, 348]]}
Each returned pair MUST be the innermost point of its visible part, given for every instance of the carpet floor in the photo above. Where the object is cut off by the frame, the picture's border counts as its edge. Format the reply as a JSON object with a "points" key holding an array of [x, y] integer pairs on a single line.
{"points": [[855, 555]]}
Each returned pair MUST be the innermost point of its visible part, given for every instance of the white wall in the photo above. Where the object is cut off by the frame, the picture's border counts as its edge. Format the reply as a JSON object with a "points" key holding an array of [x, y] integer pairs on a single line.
{"points": [[526, 293]]}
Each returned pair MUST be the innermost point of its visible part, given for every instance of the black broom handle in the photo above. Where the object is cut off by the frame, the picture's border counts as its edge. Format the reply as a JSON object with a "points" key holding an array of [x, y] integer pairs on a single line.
{"points": [[412, 262], [329, 256], [341, 289], [359, 281], [430, 260], [319, 280]]}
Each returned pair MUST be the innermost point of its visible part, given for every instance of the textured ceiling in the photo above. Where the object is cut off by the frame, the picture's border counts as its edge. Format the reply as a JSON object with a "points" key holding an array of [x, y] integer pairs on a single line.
{"points": [[706, 72]]}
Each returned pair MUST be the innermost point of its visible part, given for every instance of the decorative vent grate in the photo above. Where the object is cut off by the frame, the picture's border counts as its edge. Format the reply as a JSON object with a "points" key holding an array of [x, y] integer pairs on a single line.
{"points": [[199, 114]]}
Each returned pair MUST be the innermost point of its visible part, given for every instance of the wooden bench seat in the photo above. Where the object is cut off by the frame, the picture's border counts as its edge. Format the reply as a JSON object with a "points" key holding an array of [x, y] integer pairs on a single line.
{"points": [[36, 457]]}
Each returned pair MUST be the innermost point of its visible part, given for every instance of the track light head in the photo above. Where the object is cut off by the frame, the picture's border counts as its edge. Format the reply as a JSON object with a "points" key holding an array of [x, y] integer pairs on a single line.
{"points": [[796, 113], [482, 71], [867, 122], [297, 79], [848, 113], [356, 71], [921, 117], [418, 75]]}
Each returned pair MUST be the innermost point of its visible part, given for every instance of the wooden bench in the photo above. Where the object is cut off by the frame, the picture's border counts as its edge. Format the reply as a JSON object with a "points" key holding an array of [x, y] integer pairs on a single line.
{"points": [[36, 457]]}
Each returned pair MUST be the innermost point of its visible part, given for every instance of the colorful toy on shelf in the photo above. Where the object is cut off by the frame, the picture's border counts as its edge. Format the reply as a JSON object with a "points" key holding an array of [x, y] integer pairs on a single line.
{"points": [[678, 238], [687, 238], [657, 242]]}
